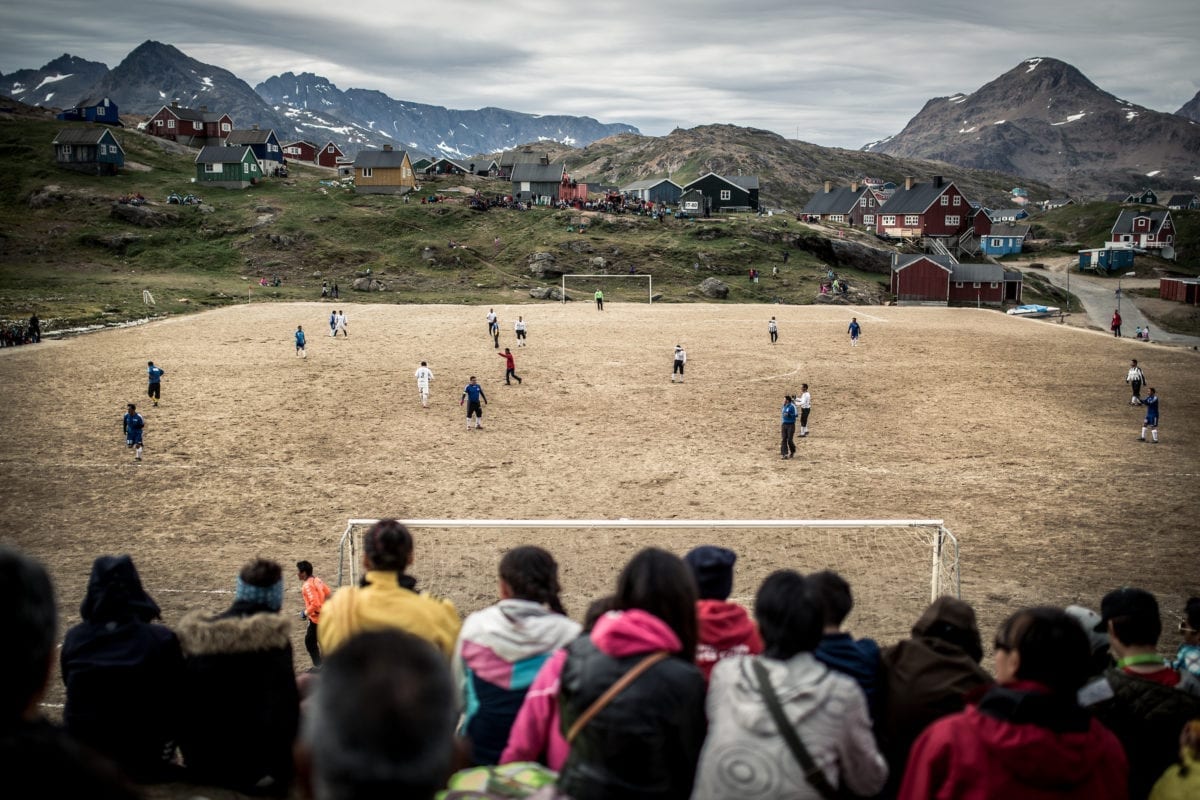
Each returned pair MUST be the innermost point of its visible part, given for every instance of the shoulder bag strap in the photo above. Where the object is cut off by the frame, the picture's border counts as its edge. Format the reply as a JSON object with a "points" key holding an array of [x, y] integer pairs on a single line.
{"points": [[614, 690], [812, 773]]}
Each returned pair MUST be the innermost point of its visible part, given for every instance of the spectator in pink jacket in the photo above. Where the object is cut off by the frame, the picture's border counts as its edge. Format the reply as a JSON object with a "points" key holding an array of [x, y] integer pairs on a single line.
{"points": [[536, 734]]}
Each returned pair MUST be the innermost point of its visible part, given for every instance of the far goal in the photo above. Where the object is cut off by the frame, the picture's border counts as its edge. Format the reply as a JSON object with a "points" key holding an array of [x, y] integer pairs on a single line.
{"points": [[627, 288], [895, 567]]}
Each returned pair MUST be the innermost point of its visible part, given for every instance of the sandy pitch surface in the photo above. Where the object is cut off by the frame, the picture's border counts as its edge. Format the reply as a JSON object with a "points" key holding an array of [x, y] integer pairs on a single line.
{"points": [[1016, 432]]}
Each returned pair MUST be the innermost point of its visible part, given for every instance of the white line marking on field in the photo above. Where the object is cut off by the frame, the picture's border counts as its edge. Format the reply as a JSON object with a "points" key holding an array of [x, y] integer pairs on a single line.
{"points": [[872, 317]]}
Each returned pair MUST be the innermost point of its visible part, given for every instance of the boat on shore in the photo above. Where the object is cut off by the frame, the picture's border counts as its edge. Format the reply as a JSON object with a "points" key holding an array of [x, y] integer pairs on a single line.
{"points": [[1033, 310]]}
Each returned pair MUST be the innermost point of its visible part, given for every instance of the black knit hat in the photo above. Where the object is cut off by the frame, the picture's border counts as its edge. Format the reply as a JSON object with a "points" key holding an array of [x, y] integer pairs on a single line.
{"points": [[713, 568]]}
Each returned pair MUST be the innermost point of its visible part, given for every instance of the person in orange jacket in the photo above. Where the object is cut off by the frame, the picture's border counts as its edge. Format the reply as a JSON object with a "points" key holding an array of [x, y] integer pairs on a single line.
{"points": [[315, 592]]}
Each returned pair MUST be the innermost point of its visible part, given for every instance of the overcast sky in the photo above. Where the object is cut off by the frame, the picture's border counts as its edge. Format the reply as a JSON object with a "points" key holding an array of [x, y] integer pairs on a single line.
{"points": [[832, 73]]}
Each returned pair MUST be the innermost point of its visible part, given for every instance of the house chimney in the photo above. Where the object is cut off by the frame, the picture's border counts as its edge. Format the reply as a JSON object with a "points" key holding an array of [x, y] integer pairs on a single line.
{"points": [[854, 186], [254, 127], [828, 187], [937, 180], [174, 104], [908, 182], [203, 109], [387, 148]]}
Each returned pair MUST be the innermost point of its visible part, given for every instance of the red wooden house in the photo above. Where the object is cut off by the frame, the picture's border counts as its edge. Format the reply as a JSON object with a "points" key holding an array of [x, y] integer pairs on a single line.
{"points": [[190, 126], [921, 278], [936, 209], [1147, 229], [329, 155], [300, 151]]}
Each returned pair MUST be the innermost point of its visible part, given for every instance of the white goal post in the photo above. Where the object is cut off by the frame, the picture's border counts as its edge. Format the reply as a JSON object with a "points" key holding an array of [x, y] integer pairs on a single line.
{"points": [[649, 282], [895, 566]]}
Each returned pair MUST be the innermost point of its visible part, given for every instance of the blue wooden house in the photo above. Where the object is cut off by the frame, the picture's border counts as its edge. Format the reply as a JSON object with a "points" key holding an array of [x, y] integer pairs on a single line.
{"points": [[89, 149], [264, 144], [100, 110], [654, 190], [1004, 238]]}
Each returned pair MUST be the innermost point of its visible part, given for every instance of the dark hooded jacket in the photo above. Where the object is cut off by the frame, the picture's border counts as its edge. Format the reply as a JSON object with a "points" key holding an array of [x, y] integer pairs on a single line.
{"points": [[123, 673], [1021, 741], [927, 677], [242, 706]]}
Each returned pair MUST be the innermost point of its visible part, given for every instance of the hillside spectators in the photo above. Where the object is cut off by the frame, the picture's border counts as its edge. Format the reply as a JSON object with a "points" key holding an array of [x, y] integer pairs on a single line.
{"points": [[725, 629], [1142, 699], [123, 673], [387, 597], [241, 706], [645, 741], [858, 658], [747, 747], [1027, 737], [928, 677]]}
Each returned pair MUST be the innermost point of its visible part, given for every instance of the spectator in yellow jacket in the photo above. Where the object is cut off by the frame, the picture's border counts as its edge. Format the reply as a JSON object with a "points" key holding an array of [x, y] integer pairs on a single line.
{"points": [[1182, 781], [387, 597]]}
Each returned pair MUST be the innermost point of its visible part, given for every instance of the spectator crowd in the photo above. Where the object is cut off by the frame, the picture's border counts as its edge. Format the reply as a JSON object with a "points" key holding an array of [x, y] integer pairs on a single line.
{"points": [[665, 690]]}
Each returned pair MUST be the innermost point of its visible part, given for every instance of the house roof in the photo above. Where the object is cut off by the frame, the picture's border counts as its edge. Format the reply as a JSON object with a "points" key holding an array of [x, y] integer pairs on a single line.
{"points": [[295, 142], [978, 273], [838, 201], [740, 181], [1010, 229], [250, 137], [916, 200], [82, 135], [945, 262], [331, 142], [522, 156], [538, 173], [1059, 201], [93, 101], [220, 154], [648, 183], [1183, 200], [379, 159], [1001, 213], [1116, 197], [1124, 223]]}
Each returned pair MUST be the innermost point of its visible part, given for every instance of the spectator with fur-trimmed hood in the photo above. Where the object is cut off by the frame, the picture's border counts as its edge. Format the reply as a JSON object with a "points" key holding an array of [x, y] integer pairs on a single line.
{"points": [[241, 706], [725, 629], [123, 674]]}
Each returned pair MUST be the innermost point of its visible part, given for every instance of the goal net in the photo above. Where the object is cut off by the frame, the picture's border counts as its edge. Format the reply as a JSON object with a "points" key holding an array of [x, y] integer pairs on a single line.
{"points": [[894, 567], [617, 288]]}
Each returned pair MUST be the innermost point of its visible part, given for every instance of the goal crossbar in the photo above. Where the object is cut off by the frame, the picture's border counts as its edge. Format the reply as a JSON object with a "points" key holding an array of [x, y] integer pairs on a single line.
{"points": [[649, 285], [945, 544]]}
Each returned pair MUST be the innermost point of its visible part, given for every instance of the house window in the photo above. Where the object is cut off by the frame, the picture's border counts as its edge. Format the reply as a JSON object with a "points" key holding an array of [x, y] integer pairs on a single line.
{"points": [[212, 168], [367, 172], [868, 219], [1169, 238], [995, 242], [405, 171], [253, 165], [158, 123], [871, 202], [272, 148], [889, 219], [993, 285], [975, 285], [329, 149], [958, 284], [1125, 237], [725, 194], [953, 220], [837, 217], [862, 202], [197, 126], [524, 186], [170, 123], [66, 149], [957, 200], [945, 199], [912, 219], [100, 111]]}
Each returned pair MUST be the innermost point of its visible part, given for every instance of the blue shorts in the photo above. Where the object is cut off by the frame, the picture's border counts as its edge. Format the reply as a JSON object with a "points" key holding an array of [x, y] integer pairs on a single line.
{"points": [[1152, 420], [133, 438]]}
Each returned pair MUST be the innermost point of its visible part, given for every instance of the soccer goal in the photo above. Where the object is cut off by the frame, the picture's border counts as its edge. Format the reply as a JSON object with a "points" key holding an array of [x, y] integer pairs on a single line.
{"points": [[895, 567], [634, 295]]}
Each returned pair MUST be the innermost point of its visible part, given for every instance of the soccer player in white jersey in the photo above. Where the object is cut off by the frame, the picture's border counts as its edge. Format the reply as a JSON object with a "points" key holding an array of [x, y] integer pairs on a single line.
{"points": [[519, 328], [804, 403], [423, 375]]}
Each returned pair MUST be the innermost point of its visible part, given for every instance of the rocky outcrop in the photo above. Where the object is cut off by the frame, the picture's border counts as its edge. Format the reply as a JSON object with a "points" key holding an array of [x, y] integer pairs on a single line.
{"points": [[368, 285], [143, 216], [542, 265], [711, 287], [547, 293]]}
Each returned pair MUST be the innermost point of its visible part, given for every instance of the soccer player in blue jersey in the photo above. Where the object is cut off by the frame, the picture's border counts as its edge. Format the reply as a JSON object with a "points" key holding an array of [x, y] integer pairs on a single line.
{"points": [[154, 391], [300, 351], [1151, 403], [854, 330], [133, 424], [472, 394], [787, 429]]}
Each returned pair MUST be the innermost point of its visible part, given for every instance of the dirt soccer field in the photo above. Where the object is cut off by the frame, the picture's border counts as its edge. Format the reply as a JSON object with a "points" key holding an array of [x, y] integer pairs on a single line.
{"points": [[1017, 433]]}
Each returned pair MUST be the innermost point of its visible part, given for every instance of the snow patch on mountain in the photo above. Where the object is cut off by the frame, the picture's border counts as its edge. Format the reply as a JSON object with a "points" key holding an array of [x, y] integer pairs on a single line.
{"points": [[51, 79]]}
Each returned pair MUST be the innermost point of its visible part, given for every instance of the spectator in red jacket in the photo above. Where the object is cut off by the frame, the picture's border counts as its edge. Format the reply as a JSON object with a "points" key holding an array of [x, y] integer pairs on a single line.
{"points": [[725, 628], [1028, 737]]}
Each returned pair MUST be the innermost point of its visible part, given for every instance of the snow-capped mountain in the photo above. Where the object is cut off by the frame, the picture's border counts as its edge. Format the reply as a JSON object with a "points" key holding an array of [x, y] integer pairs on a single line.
{"points": [[61, 83]]}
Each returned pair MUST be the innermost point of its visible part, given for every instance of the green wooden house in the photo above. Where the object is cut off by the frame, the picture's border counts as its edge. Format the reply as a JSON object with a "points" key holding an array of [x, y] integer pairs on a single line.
{"points": [[91, 149], [227, 167]]}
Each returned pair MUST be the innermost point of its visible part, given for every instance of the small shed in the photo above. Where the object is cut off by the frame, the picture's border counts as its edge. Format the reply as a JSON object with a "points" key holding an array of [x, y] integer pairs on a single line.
{"points": [[1181, 290], [693, 203], [100, 110], [227, 167], [977, 283], [654, 190], [1108, 259], [89, 149]]}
